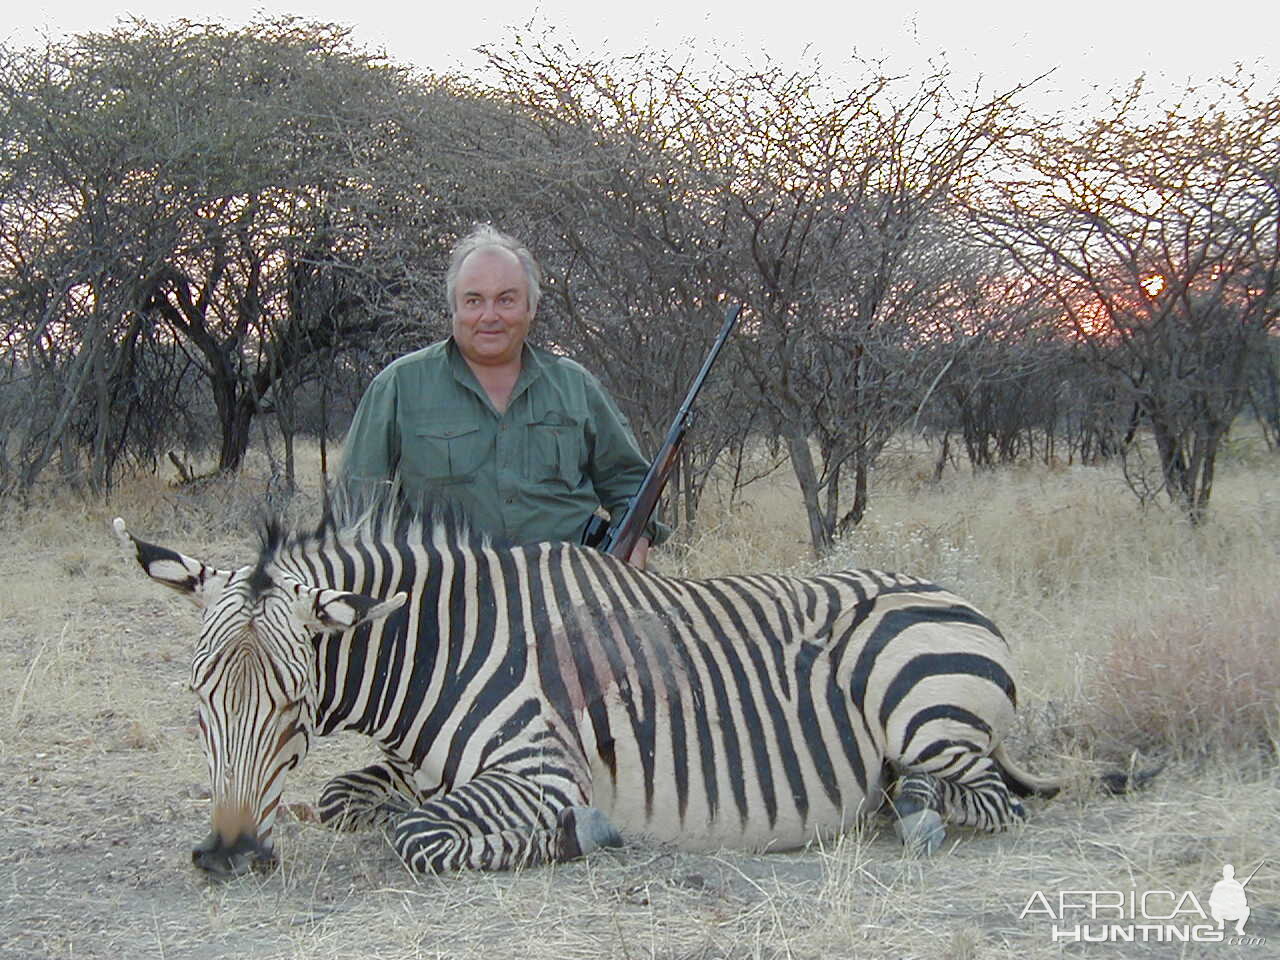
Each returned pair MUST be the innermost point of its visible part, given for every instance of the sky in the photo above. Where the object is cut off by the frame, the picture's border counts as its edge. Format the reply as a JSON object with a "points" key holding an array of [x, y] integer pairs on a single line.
{"points": [[1094, 46]]}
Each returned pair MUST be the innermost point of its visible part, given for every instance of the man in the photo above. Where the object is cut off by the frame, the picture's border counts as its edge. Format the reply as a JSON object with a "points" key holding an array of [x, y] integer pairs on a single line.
{"points": [[527, 443]]}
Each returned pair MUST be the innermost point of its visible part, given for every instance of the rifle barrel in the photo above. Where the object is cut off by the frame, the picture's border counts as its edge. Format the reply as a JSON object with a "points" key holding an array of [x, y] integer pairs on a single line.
{"points": [[1255, 870], [626, 534]]}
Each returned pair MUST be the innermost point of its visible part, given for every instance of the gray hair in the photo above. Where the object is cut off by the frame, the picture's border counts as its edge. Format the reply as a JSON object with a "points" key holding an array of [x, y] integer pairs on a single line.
{"points": [[485, 237]]}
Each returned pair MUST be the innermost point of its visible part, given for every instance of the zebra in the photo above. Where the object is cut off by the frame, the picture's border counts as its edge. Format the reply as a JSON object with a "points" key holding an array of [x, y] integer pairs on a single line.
{"points": [[531, 703]]}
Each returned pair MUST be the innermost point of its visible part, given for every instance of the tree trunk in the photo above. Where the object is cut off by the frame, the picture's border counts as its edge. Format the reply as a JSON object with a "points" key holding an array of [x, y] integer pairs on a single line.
{"points": [[859, 508], [287, 420], [236, 419], [944, 454], [1209, 456], [98, 478], [1174, 469], [807, 477]]}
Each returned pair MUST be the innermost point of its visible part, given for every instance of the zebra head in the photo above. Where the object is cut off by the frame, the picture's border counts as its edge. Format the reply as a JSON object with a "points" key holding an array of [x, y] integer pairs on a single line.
{"points": [[253, 675]]}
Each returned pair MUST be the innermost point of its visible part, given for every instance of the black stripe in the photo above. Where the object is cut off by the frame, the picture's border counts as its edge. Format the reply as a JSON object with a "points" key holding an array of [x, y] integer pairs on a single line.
{"points": [[365, 573], [838, 705], [943, 711], [753, 590], [807, 715], [925, 665], [786, 748], [728, 721], [835, 605], [582, 665], [939, 746], [518, 720], [399, 642], [900, 584], [502, 682], [149, 553], [425, 642], [347, 687], [326, 565], [895, 622], [550, 672], [484, 598], [610, 624], [348, 570], [614, 623], [660, 595], [396, 643]]}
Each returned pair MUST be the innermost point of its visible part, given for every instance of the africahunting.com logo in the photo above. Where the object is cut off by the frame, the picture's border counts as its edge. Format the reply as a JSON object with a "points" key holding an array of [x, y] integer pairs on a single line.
{"points": [[1148, 916]]}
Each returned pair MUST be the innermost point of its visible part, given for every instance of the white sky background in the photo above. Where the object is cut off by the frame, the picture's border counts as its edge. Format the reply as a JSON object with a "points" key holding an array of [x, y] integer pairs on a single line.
{"points": [[1095, 46]]}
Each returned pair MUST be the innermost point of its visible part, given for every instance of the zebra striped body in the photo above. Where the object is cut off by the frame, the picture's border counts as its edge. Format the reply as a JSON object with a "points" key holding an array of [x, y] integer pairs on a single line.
{"points": [[518, 691]]}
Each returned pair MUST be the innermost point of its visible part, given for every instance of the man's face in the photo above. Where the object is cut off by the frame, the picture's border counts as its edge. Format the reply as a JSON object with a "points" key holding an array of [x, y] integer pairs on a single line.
{"points": [[491, 314]]}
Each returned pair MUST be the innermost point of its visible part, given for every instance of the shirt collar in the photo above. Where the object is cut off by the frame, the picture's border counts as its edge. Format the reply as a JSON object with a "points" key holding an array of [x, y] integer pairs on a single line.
{"points": [[531, 368]]}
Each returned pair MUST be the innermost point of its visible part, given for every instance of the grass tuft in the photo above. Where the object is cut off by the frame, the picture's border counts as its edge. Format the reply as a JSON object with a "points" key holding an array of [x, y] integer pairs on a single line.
{"points": [[1200, 676]]}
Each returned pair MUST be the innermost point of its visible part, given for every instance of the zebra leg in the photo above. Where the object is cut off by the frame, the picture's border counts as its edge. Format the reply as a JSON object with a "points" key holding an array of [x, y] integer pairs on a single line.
{"points": [[369, 798], [917, 811], [979, 797], [498, 821]]}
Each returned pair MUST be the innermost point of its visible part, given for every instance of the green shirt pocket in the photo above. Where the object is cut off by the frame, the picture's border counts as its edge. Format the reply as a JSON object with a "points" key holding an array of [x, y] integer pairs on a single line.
{"points": [[555, 450], [445, 452]]}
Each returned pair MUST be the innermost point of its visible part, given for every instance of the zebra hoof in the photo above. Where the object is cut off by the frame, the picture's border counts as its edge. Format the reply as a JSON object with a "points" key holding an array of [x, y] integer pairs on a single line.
{"points": [[921, 832], [586, 829]]}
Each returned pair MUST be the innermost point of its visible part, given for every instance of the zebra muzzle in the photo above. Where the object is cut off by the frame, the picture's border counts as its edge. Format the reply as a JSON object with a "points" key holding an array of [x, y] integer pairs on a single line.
{"points": [[223, 860]]}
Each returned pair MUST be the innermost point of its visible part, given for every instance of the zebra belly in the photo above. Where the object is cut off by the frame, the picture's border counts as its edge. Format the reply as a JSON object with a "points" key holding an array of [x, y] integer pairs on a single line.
{"points": [[763, 792]]}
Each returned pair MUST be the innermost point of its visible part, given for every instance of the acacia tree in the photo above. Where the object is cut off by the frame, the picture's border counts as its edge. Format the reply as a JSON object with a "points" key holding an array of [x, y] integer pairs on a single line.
{"points": [[824, 213], [597, 183], [837, 214], [76, 237], [237, 200], [1156, 231], [1006, 376], [1264, 391]]}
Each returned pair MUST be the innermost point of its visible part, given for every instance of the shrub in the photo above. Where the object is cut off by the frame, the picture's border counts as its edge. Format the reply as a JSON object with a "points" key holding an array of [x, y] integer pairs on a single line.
{"points": [[1202, 677]]}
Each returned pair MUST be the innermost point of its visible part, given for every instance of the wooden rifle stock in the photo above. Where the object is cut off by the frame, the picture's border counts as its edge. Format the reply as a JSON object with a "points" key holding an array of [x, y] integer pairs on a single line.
{"points": [[622, 537]]}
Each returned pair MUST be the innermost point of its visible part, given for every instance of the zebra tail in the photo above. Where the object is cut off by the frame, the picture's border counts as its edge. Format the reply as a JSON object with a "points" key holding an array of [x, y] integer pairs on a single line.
{"points": [[1123, 781], [1022, 782], [1026, 784]]}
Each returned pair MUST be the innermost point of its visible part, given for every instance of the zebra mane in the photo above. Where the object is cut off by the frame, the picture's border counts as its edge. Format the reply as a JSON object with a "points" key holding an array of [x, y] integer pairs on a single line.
{"points": [[382, 517]]}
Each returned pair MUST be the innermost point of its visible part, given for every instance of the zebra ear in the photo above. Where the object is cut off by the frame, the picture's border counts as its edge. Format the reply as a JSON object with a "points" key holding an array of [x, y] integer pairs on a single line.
{"points": [[199, 581], [325, 610]]}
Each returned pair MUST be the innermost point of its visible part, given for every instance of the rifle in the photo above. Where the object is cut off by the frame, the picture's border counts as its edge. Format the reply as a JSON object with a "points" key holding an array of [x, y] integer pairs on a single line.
{"points": [[620, 538], [1250, 876]]}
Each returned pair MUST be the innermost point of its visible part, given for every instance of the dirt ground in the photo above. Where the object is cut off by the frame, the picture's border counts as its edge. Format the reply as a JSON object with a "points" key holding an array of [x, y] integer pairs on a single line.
{"points": [[104, 797], [94, 841]]}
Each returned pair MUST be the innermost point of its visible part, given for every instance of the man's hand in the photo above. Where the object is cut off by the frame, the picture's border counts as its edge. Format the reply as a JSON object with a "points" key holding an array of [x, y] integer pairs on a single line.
{"points": [[640, 555]]}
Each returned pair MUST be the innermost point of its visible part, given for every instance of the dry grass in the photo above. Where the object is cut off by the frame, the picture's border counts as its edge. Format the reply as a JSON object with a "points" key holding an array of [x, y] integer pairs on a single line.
{"points": [[1126, 623], [1202, 676]]}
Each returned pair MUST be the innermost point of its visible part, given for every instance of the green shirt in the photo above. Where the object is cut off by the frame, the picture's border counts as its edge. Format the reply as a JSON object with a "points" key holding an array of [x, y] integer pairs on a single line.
{"points": [[534, 472]]}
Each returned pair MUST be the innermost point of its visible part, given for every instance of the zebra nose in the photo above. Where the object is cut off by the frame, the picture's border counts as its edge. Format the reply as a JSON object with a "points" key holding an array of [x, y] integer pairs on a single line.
{"points": [[223, 860]]}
